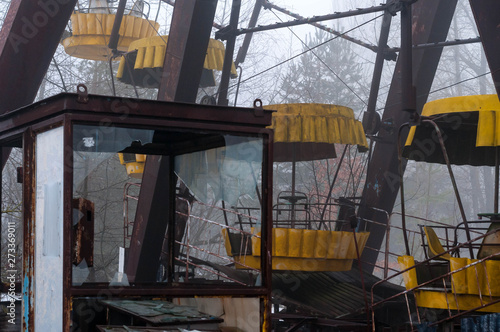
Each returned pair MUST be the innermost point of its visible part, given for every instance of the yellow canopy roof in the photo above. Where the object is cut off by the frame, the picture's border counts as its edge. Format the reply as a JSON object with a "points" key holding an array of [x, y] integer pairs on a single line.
{"points": [[471, 128], [91, 32], [151, 55], [314, 126]]}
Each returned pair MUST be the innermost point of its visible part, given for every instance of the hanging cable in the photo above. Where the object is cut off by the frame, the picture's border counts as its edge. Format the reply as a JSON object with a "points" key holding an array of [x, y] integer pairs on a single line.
{"points": [[440, 89], [112, 77], [321, 60], [127, 64], [304, 52], [60, 75], [158, 11], [457, 83]]}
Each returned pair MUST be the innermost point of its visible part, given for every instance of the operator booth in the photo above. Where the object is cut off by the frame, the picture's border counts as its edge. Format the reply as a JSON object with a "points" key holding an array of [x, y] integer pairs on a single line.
{"points": [[130, 215]]}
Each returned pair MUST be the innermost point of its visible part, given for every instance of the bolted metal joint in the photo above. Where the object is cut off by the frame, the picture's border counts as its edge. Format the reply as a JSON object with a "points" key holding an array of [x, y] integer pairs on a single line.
{"points": [[257, 105], [82, 91], [225, 33], [394, 6]]}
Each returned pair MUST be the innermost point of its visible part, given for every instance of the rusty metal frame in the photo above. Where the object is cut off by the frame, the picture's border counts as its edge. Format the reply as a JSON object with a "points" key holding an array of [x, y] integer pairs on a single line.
{"points": [[64, 110], [28, 136], [437, 130], [228, 33], [29, 192], [185, 53], [448, 274], [29, 37], [183, 290], [359, 11], [431, 21], [487, 22], [67, 221]]}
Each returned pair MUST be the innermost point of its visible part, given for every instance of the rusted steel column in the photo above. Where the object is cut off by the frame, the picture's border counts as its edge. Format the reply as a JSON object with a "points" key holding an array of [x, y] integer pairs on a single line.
{"points": [[186, 48], [150, 222], [406, 58], [488, 24], [431, 22], [113, 39], [369, 117], [229, 34], [242, 52], [29, 192], [28, 39]]}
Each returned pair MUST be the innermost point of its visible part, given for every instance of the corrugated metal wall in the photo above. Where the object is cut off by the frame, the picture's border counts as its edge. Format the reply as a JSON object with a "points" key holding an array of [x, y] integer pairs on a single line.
{"points": [[486, 323]]}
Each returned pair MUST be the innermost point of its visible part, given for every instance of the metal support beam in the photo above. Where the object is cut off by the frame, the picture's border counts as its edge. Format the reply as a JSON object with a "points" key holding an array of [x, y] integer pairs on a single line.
{"points": [[29, 37], [186, 48], [369, 118], [242, 52], [390, 54], [114, 38], [431, 22], [150, 222], [488, 24], [229, 31], [448, 43], [359, 11], [172, 3], [29, 211], [406, 57], [185, 54]]}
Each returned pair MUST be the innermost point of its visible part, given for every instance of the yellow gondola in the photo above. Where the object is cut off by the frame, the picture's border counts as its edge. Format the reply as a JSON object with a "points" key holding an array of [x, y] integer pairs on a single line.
{"points": [[145, 59], [91, 31], [471, 127], [302, 132], [307, 132]]}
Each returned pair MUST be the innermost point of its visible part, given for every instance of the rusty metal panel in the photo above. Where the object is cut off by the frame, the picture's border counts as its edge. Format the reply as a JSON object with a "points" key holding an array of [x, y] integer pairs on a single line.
{"points": [[152, 216], [65, 108], [68, 219], [187, 44], [228, 33], [28, 39], [28, 310], [188, 40], [83, 231], [431, 22], [124, 110], [486, 14]]}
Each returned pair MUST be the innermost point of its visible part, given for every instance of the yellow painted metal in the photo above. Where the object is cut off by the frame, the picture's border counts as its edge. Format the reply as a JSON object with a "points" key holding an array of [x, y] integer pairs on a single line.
{"points": [[295, 242], [434, 244], [91, 32], [492, 273], [471, 287], [305, 250], [134, 168], [459, 278], [316, 123], [491, 243], [488, 106], [477, 279], [410, 276], [151, 54], [442, 300], [296, 264]]}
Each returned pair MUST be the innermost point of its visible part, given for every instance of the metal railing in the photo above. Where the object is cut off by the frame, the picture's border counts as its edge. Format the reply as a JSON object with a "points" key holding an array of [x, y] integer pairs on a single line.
{"points": [[209, 254], [443, 282], [127, 223]]}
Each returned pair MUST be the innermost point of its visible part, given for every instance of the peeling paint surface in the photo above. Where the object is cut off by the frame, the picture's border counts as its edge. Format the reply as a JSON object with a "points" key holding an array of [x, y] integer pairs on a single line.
{"points": [[26, 288], [49, 230]]}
